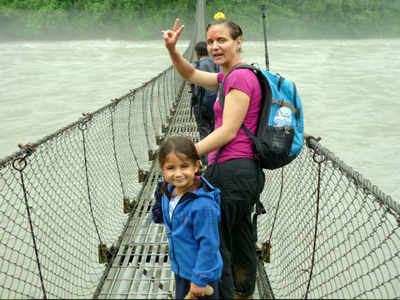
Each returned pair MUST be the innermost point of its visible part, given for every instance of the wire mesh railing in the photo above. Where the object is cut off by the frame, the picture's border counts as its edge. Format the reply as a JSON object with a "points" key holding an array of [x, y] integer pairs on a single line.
{"points": [[329, 233], [66, 199], [72, 203]]}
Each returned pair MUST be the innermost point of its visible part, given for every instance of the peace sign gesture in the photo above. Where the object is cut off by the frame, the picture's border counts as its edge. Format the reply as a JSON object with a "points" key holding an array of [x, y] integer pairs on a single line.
{"points": [[171, 36]]}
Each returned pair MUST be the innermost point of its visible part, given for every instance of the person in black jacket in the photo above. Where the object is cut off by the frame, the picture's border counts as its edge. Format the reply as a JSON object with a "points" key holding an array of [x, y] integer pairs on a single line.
{"points": [[203, 99]]}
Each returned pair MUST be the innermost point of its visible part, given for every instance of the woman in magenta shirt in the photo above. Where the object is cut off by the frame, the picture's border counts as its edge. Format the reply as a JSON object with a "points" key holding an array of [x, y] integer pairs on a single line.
{"points": [[235, 172]]}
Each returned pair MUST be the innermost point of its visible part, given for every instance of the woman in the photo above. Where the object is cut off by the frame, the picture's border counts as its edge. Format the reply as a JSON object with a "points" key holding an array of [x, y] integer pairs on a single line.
{"points": [[234, 170]]}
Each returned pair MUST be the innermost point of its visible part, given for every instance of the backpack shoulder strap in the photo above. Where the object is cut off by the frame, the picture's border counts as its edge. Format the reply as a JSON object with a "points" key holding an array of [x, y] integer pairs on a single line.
{"points": [[294, 97], [265, 88], [200, 90], [281, 79], [221, 85]]}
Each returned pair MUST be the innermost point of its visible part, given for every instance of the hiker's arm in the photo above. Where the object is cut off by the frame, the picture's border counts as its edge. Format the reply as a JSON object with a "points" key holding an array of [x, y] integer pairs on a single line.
{"points": [[235, 110], [190, 73], [181, 65]]}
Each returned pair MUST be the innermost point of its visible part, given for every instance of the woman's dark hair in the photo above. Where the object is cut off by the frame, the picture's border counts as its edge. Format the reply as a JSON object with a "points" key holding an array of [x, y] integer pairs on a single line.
{"points": [[234, 28], [180, 145], [201, 48]]}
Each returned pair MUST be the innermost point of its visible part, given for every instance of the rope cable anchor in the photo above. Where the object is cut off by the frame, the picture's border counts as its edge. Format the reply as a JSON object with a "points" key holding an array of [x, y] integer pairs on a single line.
{"points": [[152, 154], [164, 128], [102, 253], [115, 100], [128, 206], [29, 148], [142, 176], [106, 254], [266, 252], [83, 124], [19, 164], [308, 141], [159, 139]]}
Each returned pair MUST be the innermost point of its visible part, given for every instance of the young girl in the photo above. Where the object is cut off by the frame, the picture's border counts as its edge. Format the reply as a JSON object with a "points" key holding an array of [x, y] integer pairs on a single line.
{"points": [[189, 207]]}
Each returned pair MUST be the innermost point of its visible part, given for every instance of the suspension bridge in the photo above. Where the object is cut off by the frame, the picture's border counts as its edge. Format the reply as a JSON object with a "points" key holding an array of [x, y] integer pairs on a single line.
{"points": [[76, 219]]}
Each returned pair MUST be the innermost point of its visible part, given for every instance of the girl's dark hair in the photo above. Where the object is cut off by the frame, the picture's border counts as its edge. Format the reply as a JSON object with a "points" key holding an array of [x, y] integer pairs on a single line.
{"points": [[234, 28], [180, 145]]}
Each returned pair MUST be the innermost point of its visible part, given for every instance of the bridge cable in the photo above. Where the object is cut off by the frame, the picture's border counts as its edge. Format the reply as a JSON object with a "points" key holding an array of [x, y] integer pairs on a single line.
{"points": [[159, 104], [112, 110], [129, 129], [319, 160], [144, 111], [22, 163], [83, 127]]}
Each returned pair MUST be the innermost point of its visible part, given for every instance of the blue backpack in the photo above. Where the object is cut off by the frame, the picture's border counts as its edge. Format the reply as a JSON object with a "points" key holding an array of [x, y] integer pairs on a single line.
{"points": [[279, 134]]}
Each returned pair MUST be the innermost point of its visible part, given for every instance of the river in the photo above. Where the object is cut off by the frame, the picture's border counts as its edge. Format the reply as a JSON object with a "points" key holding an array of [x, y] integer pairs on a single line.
{"points": [[349, 90]]}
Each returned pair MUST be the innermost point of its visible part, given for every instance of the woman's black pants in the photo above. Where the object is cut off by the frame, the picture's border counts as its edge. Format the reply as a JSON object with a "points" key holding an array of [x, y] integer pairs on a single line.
{"points": [[240, 182]]}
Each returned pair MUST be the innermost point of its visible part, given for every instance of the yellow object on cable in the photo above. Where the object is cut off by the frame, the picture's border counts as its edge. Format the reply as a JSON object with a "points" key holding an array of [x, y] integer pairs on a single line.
{"points": [[219, 16]]}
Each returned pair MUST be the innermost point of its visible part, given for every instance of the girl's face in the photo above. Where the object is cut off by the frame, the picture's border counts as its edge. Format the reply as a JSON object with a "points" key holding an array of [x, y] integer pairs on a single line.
{"points": [[221, 47], [180, 171]]}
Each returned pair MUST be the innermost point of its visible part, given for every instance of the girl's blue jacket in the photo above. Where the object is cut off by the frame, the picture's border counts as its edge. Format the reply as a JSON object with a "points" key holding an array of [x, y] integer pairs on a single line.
{"points": [[193, 234]]}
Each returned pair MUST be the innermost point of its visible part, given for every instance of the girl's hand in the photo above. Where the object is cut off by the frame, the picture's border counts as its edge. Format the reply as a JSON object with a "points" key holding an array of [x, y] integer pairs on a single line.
{"points": [[196, 290], [171, 36]]}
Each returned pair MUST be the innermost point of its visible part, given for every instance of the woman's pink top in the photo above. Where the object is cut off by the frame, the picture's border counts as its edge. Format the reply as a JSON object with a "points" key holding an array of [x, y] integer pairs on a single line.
{"points": [[242, 145]]}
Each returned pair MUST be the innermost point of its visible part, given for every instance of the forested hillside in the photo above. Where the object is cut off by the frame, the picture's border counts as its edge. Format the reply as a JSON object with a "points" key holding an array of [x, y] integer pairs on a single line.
{"points": [[143, 19]]}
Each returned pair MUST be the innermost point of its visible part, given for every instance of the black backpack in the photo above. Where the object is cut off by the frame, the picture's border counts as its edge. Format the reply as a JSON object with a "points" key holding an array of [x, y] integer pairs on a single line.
{"points": [[206, 103], [198, 92]]}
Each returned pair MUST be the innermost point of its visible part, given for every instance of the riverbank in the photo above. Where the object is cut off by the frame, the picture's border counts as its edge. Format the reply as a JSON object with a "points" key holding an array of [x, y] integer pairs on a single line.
{"points": [[284, 22]]}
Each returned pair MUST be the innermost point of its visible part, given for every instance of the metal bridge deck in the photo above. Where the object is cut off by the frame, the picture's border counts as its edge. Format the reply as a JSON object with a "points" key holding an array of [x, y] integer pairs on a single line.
{"points": [[141, 268]]}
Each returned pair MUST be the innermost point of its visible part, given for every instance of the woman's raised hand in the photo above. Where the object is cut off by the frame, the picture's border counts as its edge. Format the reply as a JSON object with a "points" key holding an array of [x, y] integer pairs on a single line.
{"points": [[171, 36]]}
